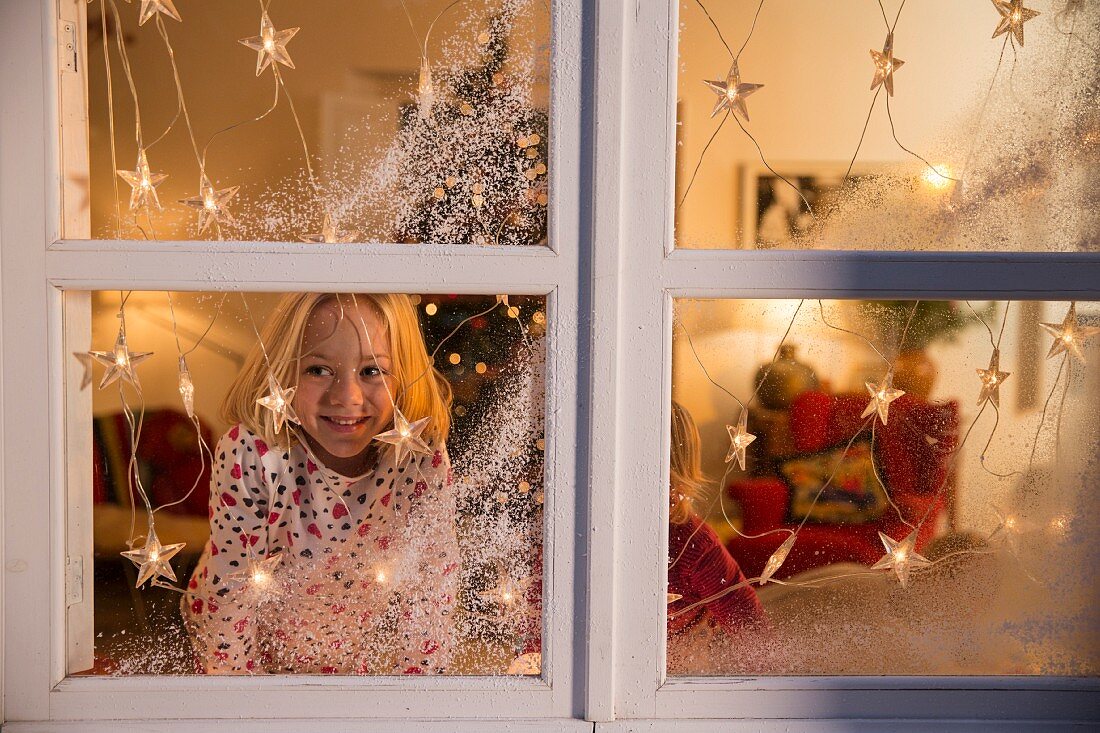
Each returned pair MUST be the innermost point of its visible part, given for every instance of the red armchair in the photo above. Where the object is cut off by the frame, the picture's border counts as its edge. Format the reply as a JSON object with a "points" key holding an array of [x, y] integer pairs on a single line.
{"points": [[913, 454]]}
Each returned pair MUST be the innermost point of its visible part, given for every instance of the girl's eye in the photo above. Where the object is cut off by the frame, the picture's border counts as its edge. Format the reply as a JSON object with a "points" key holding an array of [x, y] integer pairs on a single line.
{"points": [[372, 371], [318, 371]]}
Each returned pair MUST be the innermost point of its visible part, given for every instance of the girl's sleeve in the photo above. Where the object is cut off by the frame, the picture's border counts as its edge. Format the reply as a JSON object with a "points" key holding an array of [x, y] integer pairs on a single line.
{"points": [[218, 612], [426, 624]]}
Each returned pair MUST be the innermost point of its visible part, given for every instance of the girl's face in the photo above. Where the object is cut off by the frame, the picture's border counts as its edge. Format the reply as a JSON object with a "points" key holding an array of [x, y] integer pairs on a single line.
{"points": [[342, 399]]}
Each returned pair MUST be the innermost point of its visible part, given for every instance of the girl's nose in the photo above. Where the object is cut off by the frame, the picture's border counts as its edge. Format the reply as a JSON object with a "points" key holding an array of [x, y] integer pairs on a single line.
{"points": [[346, 391]]}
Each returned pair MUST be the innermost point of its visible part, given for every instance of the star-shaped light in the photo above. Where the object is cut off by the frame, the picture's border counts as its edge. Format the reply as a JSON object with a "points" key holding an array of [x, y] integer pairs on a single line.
{"points": [[87, 362], [881, 397], [901, 556], [740, 438], [777, 559], [1013, 16], [120, 362], [258, 573], [526, 664], [1069, 334], [149, 8], [425, 90], [271, 45], [211, 204], [152, 559], [187, 388], [143, 183], [885, 65], [673, 597], [992, 378], [405, 437], [1008, 528], [331, 234], [278, 401], [731, 93]]}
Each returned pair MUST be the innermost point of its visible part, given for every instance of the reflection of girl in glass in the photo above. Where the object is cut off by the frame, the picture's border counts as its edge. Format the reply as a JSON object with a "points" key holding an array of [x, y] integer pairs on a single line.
{"points": [[331, 551], [699, 568]]}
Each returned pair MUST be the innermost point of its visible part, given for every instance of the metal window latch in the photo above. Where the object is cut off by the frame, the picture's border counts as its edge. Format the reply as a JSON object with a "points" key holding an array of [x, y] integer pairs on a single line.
{"points": [[74, 580], [66, 45]]}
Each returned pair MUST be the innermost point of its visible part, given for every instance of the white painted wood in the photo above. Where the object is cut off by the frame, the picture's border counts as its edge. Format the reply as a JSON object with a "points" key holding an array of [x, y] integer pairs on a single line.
{"points": [[39, 516], [602, 283], [25, 29], [292, 725]]}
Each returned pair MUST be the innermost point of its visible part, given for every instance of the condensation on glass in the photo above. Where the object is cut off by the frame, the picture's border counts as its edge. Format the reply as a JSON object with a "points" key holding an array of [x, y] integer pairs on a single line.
{"points": [[934, 462], [985, 144], [381, 125], [432, 564]]}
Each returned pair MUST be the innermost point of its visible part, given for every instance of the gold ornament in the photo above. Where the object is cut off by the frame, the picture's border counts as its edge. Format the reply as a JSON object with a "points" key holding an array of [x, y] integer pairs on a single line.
{"points": [[992, 378], [881, 397], [732, 92], [405, 437], [901, 556], [211, 204], [120, 362], [885, 65], [1013, 16], [1069, 334], [278, 401], [152, 559], [740, 439], [270, 44], [149, 8], [143, 183]]}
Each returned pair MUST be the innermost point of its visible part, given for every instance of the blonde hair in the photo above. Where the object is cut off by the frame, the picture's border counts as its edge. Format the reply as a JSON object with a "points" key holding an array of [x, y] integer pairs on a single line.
{"points": [[419, 389], [687, 482]]}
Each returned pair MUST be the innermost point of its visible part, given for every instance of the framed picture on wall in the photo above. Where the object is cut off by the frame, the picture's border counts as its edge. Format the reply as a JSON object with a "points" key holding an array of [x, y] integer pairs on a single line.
{"points": [[773, 214]]}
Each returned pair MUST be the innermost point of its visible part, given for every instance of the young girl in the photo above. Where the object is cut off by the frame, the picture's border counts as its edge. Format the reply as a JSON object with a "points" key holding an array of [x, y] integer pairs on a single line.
{"points": [[332, 535], [699, 566]]}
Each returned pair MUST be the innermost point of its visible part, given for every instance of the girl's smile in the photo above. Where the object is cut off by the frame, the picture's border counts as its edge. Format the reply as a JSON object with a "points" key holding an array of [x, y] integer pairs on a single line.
{"points": [[345, 388]]}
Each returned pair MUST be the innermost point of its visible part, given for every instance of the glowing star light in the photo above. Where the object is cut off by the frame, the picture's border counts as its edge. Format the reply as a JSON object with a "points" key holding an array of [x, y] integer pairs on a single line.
{"points": [[881, 397], [331, 234], [425, 90], [901, 556], [740, 438], [120, 362], [211, 204], [777, 559], [152, 559], [271, 45], [187, 389], [992, 378], [149, 8], [885, 65], [1013, 16], [731, 93], [143, 184], [1069, 334], [1008, 529], [405, 437], [278, 401], [259, 574]]}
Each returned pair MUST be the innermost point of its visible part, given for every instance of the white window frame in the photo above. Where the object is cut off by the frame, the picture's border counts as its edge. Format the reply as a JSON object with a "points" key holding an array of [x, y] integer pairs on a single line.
{"points": [[45, 456], [641, 62]]}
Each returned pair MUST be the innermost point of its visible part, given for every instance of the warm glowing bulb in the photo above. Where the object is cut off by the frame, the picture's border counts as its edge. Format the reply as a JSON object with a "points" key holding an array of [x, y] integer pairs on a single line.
{"points": [[901, 554], [1067, 337], [209, 203], [431, 309], [269, 44], [120, 358], [380, 576], [260, 577], [506, 596], [938, 177], [154, 555], [1059, 524], [1015, 16], [1010, 522]]}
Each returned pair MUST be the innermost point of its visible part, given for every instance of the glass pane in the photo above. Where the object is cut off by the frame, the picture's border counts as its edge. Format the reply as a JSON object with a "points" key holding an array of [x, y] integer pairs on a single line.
{"points": [[979, 143], [362, 536], [884, 487], [425, 123]]}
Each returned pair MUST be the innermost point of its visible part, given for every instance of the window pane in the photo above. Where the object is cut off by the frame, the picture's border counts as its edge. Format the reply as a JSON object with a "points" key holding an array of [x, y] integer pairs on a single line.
{"points": [[938, 489], [335, 544], [426, 127], [981, 143]]}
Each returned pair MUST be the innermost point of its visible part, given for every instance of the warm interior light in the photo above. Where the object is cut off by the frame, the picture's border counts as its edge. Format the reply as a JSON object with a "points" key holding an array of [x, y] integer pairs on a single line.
{"points": [[937, 177]]}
